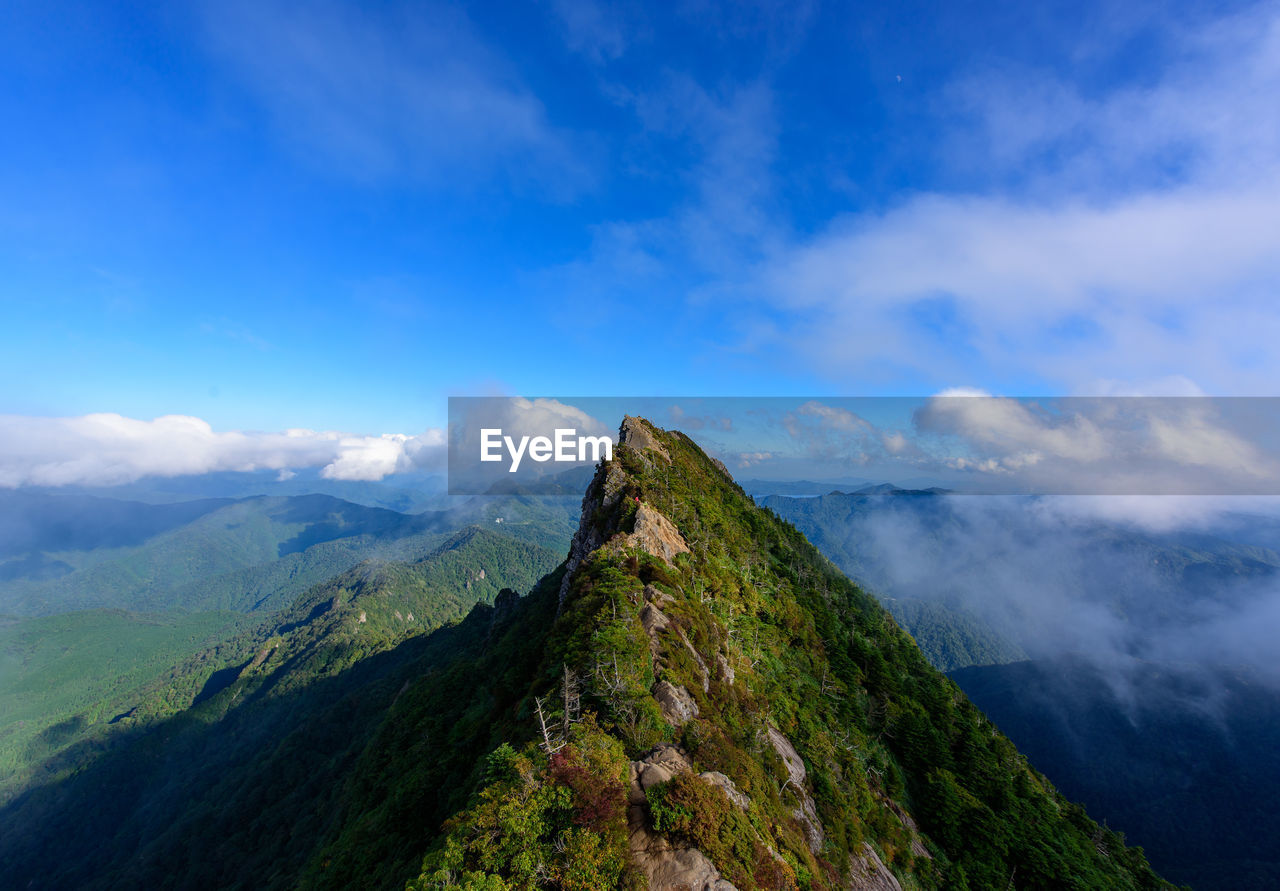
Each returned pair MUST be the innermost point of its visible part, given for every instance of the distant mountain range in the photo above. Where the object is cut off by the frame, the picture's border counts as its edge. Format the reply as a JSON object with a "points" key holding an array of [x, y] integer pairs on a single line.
{"points": [[848, 485], [68, 551]]}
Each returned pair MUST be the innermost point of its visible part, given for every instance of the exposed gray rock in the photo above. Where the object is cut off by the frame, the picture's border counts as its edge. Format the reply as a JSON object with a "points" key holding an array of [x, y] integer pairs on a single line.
{"points": [[868, 872], [667, 867], [659, 598], [655, 534], [787, 752], [660, 765], [603, 492], [726, 670], [735, 795], [704, 673], [653, 619], [653, 775], [637, 434], [675, 702], [635, 792], [807, 812]]}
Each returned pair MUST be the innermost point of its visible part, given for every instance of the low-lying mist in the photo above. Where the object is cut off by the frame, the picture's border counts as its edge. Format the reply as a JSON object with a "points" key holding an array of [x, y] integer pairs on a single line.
{"points": [[1188, 584]]}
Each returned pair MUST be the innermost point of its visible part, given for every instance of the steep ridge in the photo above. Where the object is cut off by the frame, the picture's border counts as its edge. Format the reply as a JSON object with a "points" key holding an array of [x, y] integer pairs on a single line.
{"points": [[715, 706]]}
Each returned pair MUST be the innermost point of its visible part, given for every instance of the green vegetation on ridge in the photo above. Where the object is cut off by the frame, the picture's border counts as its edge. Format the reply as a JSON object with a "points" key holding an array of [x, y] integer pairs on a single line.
{"points": [[883, 735]]}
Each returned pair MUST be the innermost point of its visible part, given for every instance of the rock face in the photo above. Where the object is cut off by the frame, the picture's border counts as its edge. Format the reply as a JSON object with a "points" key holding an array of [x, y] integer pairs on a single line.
{"points": [[676, 703], [667, 868], [603, 493], [637, 433], [678, 707], [806, 812], [868, 872], [655, 534], [726, 670], [653, 620]]}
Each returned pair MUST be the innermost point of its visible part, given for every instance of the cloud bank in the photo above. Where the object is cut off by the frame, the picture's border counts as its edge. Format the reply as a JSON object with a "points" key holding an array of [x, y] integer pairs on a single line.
{"points": [[109, 449], [1117, 234]]}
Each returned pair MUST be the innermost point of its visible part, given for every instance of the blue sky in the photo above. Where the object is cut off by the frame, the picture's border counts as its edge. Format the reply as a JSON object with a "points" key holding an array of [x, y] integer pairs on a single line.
{"points": [[272, 215]]}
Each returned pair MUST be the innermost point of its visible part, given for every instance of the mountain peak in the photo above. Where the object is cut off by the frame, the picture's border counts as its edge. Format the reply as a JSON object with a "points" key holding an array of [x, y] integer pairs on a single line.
{"points": [[719, 708], [640, 435]]}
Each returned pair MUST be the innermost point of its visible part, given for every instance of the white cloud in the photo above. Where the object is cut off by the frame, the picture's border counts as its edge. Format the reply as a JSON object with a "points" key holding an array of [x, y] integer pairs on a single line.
{"points": [[517, 418], [108, 449], [407, 92], [748, 459], [1120, 445], [1115, 236], [1179, 282], [1015, 429]]}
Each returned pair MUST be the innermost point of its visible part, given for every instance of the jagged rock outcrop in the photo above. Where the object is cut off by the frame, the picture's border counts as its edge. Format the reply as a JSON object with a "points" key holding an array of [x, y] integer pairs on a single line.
{"points": [[676, 703], [654, 534], [666, 867], [637, 433], [653, 620], [603, 494], [726, 669]]}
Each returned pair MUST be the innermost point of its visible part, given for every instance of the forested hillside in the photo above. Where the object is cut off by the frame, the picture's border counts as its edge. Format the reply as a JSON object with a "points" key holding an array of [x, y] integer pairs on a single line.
{"points": [[1182, 757], [267, 723], [78, 552]]}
